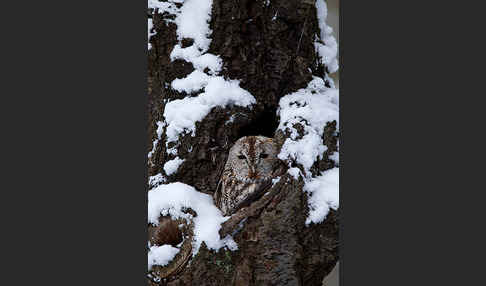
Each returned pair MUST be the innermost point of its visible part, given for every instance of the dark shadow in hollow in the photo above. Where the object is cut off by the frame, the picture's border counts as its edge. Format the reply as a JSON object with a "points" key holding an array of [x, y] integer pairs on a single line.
{"points": [[264, 125]]}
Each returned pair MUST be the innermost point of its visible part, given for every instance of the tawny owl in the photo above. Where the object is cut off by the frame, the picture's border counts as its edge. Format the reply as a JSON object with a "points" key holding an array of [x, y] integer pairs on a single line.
{"points": [[251, 165]]}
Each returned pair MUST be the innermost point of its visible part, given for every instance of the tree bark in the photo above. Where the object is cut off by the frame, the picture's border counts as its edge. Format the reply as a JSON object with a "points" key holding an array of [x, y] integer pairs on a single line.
{"points": [[270, 49]]}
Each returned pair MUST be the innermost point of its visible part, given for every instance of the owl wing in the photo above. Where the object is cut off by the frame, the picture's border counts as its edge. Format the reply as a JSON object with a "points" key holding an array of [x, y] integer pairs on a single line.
{"points": [[258, 190], [218, 194]]}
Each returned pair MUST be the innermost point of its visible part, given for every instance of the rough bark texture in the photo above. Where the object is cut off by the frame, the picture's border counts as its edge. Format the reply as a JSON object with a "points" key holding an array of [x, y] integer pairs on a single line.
{"points": [[271, 58]]}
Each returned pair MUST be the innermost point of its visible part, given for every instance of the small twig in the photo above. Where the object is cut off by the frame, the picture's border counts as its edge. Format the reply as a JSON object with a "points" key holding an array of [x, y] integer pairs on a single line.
{"points": [[301, 34], [298, 46]]}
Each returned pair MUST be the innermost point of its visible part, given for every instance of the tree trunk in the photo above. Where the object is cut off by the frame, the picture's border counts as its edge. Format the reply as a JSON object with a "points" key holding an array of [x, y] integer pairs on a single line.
{"points": [[270, 49]]}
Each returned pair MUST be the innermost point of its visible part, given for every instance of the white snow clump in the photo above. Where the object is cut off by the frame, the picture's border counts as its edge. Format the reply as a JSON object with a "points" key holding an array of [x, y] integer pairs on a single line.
{"points": [[170, 167], [156, 180], [150, 25], [323, 194], [171, 199], [328, 52], [161, 255], [181, 115], [161, 7], [312, 107], [159, 130]]}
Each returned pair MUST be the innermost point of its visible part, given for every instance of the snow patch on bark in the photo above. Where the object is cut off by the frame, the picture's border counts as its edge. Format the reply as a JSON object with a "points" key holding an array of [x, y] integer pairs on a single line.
{"points": [[335, 157], [323, 195], [328, 50], [311, 108], [172, 199], [161, 7], [170, 167], [156, 180], [181, 115], [193, 22], [150, 26], [160, 126], [161, 255]]}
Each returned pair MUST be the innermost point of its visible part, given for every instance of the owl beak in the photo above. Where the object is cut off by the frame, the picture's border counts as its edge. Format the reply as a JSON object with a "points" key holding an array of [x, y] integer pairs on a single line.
{"points": [[253, 173]]}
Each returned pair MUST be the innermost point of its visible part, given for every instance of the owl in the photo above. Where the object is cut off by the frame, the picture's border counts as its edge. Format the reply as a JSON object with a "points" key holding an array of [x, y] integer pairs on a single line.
{"points": [[251, 165]]}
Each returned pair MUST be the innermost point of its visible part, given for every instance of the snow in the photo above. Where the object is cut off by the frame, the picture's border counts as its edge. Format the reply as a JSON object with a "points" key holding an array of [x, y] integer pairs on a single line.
{"points": [[171, 199], [294, 149], [167, 6], [154, 146], [328, 52], [172, 151], [156, 180], [327, 78], [275, 180], [181, 115], [160, 126], [200, 61], [294, 172], [161, 255], [170, 167], [161, 7], [311, 107], [335, 157], [275, 16], [191, 83], [323, 195], [150, 25], [193, 22], [210, 61]]}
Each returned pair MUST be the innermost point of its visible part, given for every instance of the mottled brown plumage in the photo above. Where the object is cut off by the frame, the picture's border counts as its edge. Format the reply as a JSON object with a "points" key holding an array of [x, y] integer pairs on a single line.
{"points": [[251, 165]]}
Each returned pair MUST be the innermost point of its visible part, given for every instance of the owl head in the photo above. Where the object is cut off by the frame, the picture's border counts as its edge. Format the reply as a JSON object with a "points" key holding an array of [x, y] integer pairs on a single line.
{"points": [[253, 158]]}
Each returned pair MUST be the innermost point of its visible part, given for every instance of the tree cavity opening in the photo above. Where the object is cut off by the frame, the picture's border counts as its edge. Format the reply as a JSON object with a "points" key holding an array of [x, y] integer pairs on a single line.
{"points": [[265, 124]]}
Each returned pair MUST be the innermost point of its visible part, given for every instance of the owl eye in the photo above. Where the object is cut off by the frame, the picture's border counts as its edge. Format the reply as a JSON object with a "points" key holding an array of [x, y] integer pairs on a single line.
{"points": [[263, 155], [241, 157]]}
